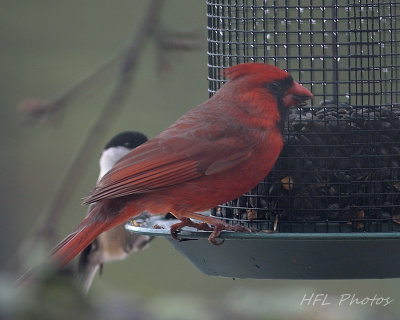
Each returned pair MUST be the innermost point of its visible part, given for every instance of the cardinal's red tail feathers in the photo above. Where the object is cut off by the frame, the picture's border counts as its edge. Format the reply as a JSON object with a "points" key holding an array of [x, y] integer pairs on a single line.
{"points": [[94, 224], [78, 240]]}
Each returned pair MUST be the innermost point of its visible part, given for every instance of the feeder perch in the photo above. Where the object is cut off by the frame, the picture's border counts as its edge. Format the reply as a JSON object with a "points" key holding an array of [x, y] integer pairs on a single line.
{"points": [[335, 188]]}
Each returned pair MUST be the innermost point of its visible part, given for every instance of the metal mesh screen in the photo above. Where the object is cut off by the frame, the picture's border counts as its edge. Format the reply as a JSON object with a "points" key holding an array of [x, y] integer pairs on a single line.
{"points": [[340, 167]]}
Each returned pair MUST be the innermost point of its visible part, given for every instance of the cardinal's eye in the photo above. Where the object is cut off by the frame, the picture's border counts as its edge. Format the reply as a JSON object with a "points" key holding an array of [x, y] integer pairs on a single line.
{"points": [[274, 87]]}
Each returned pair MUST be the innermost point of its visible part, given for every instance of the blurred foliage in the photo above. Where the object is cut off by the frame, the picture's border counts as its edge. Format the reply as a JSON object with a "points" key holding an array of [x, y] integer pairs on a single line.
{"points": [[57, 296]]}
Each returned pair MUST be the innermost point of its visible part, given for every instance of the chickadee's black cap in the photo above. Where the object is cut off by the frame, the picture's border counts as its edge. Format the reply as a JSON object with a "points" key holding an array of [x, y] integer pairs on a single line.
{"points": [[127, 139]]}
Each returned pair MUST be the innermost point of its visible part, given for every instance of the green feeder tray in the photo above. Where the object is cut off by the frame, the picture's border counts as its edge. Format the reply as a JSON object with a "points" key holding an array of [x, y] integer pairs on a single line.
{"points": [[283, 255]]}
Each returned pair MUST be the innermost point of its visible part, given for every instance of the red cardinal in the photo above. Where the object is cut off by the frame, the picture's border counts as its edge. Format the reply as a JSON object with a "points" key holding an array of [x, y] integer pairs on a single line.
{"points": [[212, 154]]}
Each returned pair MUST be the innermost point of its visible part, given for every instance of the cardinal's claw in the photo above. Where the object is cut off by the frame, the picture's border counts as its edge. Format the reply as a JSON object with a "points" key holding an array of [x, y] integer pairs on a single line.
{"points": [[213, 238], [186, 222], [216, 230], [224, 226]]}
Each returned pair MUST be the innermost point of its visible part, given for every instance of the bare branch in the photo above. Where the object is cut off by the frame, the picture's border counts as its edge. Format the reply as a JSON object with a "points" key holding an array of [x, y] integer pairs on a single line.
{"points": [[166, 41], [89, 145], [107, 115], [35, 109]]}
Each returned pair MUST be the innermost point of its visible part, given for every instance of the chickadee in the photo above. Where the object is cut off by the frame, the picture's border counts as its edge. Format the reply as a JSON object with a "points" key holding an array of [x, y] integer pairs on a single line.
{"points": [[117, 243]]}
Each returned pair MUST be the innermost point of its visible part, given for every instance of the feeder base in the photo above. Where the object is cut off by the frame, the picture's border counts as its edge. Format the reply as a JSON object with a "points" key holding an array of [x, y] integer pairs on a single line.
{"points": [[285, 255]]}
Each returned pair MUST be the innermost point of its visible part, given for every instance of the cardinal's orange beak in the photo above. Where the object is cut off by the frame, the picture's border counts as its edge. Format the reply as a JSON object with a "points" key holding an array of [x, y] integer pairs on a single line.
{"points": [[296, 95]]}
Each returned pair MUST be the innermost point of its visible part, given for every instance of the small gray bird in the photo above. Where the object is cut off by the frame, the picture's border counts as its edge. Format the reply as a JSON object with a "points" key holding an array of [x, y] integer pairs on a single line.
{"points": [[116, 243]]}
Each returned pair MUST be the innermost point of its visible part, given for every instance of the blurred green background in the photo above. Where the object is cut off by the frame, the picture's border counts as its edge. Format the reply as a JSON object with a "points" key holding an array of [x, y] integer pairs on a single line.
{"points": [[46, 47]]}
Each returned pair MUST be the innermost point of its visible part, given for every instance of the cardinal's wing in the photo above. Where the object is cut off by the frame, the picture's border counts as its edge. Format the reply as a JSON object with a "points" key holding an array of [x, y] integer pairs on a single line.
{"points": [[175, 156]]}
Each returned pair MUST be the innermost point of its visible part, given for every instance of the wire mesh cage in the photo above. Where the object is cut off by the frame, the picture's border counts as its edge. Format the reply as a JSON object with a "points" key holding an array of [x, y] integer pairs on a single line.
{"points": [[339, 170]]}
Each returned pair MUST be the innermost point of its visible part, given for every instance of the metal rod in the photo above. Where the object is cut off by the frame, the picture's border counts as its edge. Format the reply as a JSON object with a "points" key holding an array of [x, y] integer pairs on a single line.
{"points": [[335, 53]]}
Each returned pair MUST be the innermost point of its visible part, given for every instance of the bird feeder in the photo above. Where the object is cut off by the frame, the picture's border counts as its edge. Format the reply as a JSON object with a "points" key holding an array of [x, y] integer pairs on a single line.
{"points": [[334, 193]]}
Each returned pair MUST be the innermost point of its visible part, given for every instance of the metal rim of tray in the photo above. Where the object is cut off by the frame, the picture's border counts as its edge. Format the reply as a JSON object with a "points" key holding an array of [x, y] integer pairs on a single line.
{"points": [[146, 228]]}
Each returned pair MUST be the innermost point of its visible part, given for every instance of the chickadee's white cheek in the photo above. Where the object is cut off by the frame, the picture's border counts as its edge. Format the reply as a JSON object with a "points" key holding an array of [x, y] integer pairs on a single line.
{"points": [[110, 157]]}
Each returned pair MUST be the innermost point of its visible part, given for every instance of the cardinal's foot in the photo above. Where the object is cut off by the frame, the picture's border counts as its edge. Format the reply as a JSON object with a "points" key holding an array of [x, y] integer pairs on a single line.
{"points": [[186, 222], [213, 238]]}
